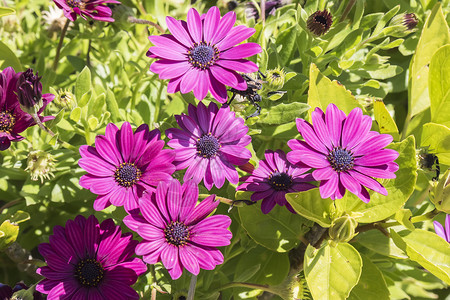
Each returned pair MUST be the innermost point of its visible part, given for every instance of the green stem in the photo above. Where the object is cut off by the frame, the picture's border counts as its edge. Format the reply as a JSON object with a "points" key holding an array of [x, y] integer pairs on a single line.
{"points": [[141, 21], [11, 203], [64, 144], [428, 216], [347, 10], [263, 287], [192, 285], [61, 40]]}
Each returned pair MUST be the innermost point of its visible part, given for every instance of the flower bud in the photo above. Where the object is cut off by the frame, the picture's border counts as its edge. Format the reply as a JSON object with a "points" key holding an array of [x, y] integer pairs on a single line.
{"points": [[405, 24], [65, 99], [276, 78], [343, 229], [40, 165], [319, 22], [29, 92], [440, 194]]}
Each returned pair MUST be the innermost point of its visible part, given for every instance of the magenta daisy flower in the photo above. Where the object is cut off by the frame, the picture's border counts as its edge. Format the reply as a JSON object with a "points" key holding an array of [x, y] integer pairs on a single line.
{"points": [[178, 232], [440, 231], [13, 120], [123, 164], [275, 177], [89, 261], [344, 152], [94, 9], [201, 55], [210, 143]]}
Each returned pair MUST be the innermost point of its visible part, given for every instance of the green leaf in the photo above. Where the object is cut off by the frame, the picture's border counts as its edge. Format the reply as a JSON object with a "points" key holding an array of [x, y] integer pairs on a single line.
{"points": [[434, 35], [437, 138], [284, 113], [24, 294], [273, 266], [111, 105], [96, 106], [19, 217], [426, 248], [371, 285], [399, 189], [75, 114], [93, 123], [56, 120], [8, 58], [10, 232], [323, 91], [279, 230], [310, 205], [287, 40], [384, 120], [403, 216], [379, 243], [439, 86], [4, 11], [332, 272], [83, 84], [380, 25]]}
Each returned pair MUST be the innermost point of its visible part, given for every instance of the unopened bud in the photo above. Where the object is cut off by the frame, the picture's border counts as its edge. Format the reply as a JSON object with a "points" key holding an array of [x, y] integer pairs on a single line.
{"points": [[40, 165], [65, 99], [343, 229], [276, 78], [405, 24], [29, 92]]}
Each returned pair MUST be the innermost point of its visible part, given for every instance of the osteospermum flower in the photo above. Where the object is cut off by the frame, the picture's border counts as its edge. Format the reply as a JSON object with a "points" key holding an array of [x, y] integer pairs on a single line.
{"points": [[319, 22], [210, 142], [201, 55], [275, 177], [94, 9], [344, 152], [178, 232], [89, 261], [440, 231], [123, 164], [13, 120]]}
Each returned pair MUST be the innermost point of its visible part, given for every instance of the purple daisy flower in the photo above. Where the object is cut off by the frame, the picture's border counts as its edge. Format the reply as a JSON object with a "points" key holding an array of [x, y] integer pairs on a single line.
{"points": [[94, 9], [88, 260], [440, 231], [177, 232], [210, 142], [201, 55], [274, 178], [13, 120], [344, 152], [122, 165]]}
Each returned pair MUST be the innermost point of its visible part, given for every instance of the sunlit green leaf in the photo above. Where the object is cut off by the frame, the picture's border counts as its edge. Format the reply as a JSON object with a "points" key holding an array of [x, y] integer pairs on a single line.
{"points": [[439, 86]]}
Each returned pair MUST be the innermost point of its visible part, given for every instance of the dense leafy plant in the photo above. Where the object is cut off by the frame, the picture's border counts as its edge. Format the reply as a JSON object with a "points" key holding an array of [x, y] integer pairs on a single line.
{"points": [[382, 66]]}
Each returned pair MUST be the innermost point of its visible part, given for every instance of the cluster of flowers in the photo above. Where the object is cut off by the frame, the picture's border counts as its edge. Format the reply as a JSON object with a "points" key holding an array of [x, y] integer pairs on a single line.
{"points": [[92, 260]]}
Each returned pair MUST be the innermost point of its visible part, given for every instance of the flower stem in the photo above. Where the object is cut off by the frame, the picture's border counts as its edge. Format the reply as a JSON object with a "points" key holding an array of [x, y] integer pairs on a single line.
{"points": [[347, 10], [61, 40], [141, 21], [42, 126], [263, 287], [192, 285]]}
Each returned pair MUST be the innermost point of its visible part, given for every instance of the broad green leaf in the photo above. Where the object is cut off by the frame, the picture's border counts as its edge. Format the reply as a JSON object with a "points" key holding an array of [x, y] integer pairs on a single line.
{"points": [[371, 285], [4, 11], [384, 120], [8, 58], [111, 105], [332, 272], [323, 91], [439, 86], [10, 232], [287, 40], [379, 243], [24, 294], [399, 189], [279, 230], [310, 205], [93, 123], [284, 113], [434, 35], [56, 120], [437, 138], [96, 105], [273, 266], [83, 84], [380, 25], [426, 248], [403, 216], [19, 217], [75, 114]]}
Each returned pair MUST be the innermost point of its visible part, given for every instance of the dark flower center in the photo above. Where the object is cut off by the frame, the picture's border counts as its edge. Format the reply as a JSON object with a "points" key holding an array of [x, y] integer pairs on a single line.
{"points": [[7, 121], [76, 3], [280, 181], [89, 272], [127, 174], [341, 159], [321, 20], [203, 55], [207, 146], [177, 233]]}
